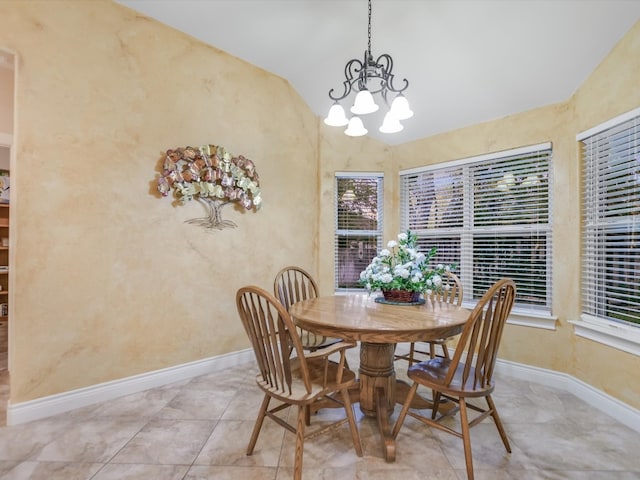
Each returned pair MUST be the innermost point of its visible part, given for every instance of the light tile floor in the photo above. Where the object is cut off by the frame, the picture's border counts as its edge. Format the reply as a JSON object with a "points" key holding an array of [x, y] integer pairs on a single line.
{"points": [[199, 429]]}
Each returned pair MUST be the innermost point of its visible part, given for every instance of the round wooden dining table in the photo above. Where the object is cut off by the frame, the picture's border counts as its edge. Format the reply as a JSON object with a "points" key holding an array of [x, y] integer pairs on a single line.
{"points": [[379, 327]]}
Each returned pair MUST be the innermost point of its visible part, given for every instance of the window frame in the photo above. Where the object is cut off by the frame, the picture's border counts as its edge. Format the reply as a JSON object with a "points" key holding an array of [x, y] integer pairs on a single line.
{"points": [[522, 314], [618, 334], [377, 233]]}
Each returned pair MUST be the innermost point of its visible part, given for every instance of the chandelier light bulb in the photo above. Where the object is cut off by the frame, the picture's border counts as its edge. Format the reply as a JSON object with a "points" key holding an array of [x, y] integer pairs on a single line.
{"points": [[390, 124], [364, 103], [400, 108], [355, 128], [336, 117]]}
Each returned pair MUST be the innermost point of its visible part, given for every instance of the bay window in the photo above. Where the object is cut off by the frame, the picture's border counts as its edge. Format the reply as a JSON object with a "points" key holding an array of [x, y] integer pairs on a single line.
{"points": [[611, 221], [491, 216]]}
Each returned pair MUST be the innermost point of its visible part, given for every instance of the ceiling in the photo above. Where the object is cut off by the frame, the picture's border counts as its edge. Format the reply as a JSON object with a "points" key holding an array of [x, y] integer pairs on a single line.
{"points": [[467, 61]]}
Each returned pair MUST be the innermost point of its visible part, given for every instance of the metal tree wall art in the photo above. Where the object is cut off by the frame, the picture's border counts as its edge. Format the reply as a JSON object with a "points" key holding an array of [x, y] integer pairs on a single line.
{"points": [[213, 177]]}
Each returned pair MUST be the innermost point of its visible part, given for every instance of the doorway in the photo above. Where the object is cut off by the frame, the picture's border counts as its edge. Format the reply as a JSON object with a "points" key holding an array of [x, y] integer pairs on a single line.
{"points": [[7, 89]]}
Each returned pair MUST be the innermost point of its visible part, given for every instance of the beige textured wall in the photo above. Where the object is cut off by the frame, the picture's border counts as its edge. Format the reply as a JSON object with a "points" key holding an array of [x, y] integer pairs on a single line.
{"points": [[6, 100], [109, 281]]}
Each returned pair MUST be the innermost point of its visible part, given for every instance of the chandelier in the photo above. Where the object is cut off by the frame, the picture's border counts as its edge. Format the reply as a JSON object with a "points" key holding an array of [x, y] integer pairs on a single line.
{"points": [[368, 78]]}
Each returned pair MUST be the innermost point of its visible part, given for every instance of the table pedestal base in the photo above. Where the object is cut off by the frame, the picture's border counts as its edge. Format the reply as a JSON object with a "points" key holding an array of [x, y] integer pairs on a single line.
{"points": [[379, 391], [376, 373]]}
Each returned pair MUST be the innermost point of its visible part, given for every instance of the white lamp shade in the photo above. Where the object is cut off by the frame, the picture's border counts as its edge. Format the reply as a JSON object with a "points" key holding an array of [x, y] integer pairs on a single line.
{"points": [[355, 128], [390, 124], [336, 117], [400, 108], [364, 103]]}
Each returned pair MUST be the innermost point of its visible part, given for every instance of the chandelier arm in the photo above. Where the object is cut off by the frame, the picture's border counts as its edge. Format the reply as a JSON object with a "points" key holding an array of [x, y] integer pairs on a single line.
{"points": [[352, 75], [391, 87], [385, 64]]}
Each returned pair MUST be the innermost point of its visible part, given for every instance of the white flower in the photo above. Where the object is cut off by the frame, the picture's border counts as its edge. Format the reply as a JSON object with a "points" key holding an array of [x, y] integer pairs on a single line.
{"points": [[401, 271], [386, 278], [401, 266]]}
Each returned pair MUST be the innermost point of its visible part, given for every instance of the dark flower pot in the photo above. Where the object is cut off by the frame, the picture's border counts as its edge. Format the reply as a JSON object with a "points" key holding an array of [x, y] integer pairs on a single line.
{"points": [[401, 296]]}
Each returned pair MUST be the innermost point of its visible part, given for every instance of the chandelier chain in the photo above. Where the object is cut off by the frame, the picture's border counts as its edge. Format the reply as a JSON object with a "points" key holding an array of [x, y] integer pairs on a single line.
{"points": [[369, 29]]}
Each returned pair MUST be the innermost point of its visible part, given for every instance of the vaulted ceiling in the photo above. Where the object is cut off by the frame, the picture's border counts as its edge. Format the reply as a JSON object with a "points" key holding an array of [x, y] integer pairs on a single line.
{"points": [[467, 61]]}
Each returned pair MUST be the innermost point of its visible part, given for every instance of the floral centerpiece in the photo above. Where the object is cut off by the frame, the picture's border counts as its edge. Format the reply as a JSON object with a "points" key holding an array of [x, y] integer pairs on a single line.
{"points": [[402, 273]]}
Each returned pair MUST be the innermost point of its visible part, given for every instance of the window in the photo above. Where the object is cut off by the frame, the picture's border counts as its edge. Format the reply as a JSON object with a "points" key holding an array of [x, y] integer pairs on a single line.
{"points": [[358, 236], [611, 220], [491, 216]]}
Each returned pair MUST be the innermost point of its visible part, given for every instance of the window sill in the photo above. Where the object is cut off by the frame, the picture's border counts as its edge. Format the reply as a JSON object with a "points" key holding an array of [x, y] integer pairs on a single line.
{"points": [[534, 320], [612, 334], [527, 318]]}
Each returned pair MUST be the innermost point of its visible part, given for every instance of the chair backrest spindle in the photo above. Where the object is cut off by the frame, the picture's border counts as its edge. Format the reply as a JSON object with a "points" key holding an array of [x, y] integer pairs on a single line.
{"points": [[294, 284], [451, 291], [481, 335], [273, 336]]}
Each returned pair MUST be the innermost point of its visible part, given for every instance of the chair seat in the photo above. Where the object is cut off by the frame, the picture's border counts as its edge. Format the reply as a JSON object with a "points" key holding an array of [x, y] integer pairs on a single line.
{"points": [[311, 341], [316, 367], [432, 374]]}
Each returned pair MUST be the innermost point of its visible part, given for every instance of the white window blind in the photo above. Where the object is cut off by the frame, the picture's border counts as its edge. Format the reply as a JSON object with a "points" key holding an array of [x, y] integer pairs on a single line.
{"points": [[611, 221], [359, 224], [491, 216]]}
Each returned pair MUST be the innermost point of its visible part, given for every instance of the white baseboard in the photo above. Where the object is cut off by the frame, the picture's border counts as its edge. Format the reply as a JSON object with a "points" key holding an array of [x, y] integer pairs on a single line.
{"points": [[596, 398], [63, 402]]}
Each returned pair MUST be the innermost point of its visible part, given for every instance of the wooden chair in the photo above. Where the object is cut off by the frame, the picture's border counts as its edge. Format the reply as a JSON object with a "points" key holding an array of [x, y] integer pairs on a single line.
{"points": [[292, 379], [469, 373], [450, 293], [291, 285]]}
